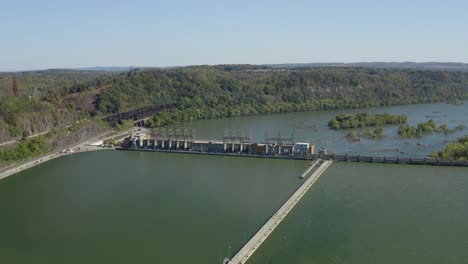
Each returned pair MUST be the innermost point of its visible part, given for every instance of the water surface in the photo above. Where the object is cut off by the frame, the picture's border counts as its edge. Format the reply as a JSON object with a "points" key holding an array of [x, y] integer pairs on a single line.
{"points": [[375, 213], [133, 207]]}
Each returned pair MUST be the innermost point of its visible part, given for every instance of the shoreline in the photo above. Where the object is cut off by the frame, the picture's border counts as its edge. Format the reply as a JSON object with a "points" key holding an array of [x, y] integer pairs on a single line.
{"points": [[40, 160], [82, 147]]}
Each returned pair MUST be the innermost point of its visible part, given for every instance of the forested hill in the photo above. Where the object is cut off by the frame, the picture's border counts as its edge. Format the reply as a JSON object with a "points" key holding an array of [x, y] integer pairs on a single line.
{"points": [[39, 84], [220, 91], [435, 66], [232, 90]]}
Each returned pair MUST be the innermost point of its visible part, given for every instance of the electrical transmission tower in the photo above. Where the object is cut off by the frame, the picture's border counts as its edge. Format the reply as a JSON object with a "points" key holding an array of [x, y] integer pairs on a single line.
{"points": [[15, 86]]}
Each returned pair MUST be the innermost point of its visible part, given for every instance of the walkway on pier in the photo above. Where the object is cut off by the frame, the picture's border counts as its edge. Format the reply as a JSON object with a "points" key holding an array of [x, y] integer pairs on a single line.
{"points": [[312, 166], [255, 242]]}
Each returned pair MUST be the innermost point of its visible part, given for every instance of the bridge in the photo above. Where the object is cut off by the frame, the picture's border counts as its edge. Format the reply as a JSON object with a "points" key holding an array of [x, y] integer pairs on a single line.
{"points": [[262, 234], [138, 115]]}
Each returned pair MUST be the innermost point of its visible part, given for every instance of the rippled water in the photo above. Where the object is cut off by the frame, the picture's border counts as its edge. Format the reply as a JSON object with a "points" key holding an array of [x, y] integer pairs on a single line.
{"points": [[134, 207], [365, 214]]}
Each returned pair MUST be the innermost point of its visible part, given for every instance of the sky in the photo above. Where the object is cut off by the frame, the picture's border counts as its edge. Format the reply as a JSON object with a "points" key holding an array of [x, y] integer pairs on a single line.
{"points": [[42, 34]]}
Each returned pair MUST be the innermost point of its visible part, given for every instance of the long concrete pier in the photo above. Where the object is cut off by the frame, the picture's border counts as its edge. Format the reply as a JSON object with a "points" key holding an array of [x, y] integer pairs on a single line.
{"points": [[312, 166], [255, 242]]}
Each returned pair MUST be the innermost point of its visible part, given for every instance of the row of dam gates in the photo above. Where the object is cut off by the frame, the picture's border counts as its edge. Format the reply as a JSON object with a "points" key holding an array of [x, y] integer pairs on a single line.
{"points": [[238, 143]]}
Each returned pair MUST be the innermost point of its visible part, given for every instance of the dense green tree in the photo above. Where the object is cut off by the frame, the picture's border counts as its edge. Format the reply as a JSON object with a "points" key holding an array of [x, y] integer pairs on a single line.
{"points": [[346, 121], [423, 128], [454, 151], [228, 91]]}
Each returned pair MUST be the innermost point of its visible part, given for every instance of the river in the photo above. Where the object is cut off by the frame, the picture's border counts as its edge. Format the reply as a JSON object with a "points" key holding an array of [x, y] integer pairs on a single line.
{"points": [[312, 127], [374, 213], [134, 207]]}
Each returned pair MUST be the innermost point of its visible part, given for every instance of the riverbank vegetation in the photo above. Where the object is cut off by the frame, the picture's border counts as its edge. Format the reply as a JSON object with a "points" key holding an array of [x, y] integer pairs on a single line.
{"points": [[454, 151], [25, 149], [58, 138], [346, 121]]}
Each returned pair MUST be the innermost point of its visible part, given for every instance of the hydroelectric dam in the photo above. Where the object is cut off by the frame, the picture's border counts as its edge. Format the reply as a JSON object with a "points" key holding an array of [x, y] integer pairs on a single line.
{"points": [[239, 144]]}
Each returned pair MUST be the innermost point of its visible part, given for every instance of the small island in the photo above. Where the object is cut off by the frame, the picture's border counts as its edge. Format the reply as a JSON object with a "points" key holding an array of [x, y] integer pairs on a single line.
{"points": [[346, 121], [376, 133], [427, 127]]}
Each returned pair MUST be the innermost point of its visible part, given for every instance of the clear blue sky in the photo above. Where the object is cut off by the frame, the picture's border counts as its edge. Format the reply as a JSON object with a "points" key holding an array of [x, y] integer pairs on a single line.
{"points": [[56, 34]]}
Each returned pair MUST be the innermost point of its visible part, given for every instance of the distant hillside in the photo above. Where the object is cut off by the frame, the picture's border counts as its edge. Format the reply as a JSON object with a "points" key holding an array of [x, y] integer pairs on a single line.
{"points": [[445, 66], [41, 83], [442, 66], [104, 69]]}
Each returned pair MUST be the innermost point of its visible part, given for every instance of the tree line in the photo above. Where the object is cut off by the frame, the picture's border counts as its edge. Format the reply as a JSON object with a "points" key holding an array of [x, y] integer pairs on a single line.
{"points": [[224, 91]]}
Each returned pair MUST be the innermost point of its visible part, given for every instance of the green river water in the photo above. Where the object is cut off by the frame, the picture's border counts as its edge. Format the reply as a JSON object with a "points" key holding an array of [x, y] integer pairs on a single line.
{"points": [[135, 207]]}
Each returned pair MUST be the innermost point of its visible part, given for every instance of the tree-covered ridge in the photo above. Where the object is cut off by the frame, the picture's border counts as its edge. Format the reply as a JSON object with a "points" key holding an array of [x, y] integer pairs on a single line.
{"points": [[346, 121], [425, 128], [201, 92], [41, 84], [47, 99], [56, 139], [454, 151], [220, 91], [23, 116]]}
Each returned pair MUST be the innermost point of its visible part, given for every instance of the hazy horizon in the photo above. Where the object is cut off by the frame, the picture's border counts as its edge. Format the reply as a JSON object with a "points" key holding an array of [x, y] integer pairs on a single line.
{"points": [[68, 34], [189, 65]]}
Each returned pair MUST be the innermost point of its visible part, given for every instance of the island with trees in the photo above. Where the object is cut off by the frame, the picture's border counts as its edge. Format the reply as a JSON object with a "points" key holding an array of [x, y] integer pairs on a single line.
{"points": [[427, 127], [347, 121]]}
